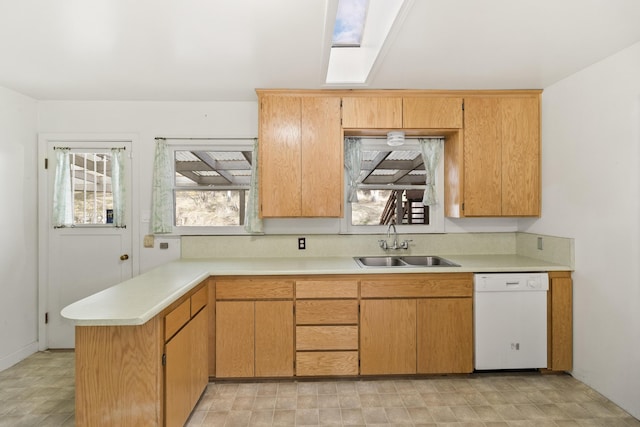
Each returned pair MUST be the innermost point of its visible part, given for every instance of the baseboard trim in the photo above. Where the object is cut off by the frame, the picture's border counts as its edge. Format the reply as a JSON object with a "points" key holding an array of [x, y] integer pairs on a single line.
{"points": [[17, 356]]}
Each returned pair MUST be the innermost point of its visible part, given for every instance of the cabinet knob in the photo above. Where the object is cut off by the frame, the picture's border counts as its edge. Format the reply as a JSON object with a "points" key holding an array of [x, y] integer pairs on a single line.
{"points": [[124, 257]]}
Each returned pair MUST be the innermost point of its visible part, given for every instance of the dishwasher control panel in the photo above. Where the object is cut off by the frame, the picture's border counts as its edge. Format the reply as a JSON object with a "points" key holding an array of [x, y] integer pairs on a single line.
{"points": [[505, 282]]}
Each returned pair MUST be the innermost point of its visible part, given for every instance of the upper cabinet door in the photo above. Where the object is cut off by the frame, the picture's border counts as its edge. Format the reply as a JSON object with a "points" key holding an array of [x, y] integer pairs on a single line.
{"points": [[502, 156], [322, 158], [372, 112], [432, 113], [520, 157], [482, 157], [279, 156]]}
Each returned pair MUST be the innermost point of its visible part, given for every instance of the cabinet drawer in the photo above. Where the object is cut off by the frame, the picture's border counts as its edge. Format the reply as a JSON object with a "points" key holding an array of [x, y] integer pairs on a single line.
{"points": [[198, 300], [326, 289], [327, 312], [327, 363], [457, 286], [254, 289], [177, 318], [326, 338]]}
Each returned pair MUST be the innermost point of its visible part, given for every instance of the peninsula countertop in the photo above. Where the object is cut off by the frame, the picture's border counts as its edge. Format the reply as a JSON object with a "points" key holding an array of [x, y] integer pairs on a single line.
{"points": [[137, 300]]}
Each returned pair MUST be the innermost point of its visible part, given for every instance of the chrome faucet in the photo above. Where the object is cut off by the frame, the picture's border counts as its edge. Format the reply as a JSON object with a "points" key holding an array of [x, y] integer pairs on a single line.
{"points": [[385, 245]]}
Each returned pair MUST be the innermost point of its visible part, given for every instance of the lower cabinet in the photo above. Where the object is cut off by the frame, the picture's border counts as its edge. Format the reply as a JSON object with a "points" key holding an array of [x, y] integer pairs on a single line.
{"points": [[416, 324], [254, 334], [444, 335], [388, 336], [186, 369], [560, 321], [185, 358]]}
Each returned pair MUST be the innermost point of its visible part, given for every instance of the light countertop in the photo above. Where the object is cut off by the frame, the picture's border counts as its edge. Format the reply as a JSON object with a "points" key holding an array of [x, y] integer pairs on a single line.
{"points": [[137, 300]]}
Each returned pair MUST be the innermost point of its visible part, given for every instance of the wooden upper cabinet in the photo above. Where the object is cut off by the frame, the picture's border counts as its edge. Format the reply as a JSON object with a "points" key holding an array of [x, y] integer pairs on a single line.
{"points": [[502, 156], [300, 156], [372, 112], [431, 113]]}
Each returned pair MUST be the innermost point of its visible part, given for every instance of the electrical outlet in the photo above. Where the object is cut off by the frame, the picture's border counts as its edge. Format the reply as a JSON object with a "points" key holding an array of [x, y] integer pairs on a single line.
{"points": [[302, 243], [539, 243], [148, 241]]}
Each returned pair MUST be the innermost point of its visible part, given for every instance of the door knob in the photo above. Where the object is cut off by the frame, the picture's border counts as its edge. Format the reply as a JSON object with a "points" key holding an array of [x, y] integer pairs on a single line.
{"points": [[124, 257]]}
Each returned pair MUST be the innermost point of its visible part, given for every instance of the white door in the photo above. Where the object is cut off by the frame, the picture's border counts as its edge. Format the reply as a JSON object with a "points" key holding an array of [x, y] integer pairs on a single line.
{"points": [[91, 255]]}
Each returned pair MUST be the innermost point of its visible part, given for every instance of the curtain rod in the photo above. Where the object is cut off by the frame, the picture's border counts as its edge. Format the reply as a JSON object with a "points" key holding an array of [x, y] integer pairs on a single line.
{"points": [[90, 149]]}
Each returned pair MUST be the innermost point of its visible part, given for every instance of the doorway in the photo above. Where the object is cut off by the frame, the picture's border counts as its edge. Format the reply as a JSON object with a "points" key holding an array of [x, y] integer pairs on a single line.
{"points": [[89, 252]]}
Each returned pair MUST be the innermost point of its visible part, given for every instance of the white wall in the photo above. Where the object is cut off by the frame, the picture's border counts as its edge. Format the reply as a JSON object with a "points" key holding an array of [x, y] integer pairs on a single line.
{"points": [[18, 228], [149, 120], [591, 192]]}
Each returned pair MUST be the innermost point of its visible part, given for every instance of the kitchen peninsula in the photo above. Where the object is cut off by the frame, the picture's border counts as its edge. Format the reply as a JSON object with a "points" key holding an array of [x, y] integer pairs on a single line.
{"points": [[126, 336]]}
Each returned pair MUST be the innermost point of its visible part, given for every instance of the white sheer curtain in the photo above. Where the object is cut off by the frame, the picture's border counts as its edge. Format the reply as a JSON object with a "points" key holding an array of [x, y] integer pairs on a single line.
{"points": [[431, 152], [162, 190], [252, 220], [62, 197], [118, 189], [353, 165]]}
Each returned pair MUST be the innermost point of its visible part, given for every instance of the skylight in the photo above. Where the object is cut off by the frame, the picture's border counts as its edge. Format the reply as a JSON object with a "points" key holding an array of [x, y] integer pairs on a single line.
{"points": [[364, 26], [349, 26]]}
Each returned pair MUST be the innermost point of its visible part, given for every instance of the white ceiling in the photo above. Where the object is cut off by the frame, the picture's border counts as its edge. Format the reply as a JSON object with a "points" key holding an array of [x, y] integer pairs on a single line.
{"points": [[187, 50]]}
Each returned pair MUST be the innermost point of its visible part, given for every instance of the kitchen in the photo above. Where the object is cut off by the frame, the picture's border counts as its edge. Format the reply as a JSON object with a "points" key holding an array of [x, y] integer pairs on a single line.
{"points": [[589, 109]]}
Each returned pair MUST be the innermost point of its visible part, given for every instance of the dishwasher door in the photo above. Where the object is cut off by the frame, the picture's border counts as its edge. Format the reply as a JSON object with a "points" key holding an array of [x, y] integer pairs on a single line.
{"points": [[510, 320]]}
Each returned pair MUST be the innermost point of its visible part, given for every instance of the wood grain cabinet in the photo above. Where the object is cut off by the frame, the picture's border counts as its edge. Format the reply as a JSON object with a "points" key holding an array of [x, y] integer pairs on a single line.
{"points": [[327, 326], [501, 156], [300, 156], [416, 324], [431, 112], [560, 321], [372, 112], [254, 327], [186, 358]]}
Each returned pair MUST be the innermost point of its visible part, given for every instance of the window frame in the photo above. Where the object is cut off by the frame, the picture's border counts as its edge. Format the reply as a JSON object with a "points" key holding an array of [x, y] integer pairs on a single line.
{"points": [[246, 144], [436, 212]]}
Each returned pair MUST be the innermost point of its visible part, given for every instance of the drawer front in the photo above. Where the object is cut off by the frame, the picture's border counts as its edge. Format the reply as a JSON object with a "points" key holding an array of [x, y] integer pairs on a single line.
{"points": [[198, 300], [327, 363], [326, 338], [177, 318], [254, 289], [405, 288], [327, 312], [326, 288]]}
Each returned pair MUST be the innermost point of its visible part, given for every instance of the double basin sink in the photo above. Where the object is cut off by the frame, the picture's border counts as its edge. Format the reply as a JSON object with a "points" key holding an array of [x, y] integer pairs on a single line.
{"points": [[404, 261]]}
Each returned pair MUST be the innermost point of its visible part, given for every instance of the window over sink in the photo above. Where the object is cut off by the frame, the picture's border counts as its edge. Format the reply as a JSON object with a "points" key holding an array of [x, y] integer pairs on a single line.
{"points": [[390, 188]]}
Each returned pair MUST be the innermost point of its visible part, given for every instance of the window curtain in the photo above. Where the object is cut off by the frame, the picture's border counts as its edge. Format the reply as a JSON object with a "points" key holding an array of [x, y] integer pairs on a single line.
{"points": [[353, 165], [162, 190], [252, 220], [118, 186], [431, 152], [62, 195]]}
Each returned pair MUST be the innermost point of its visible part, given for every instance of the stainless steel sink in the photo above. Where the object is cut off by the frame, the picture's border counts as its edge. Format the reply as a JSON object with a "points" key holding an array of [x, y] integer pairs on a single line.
{"points": [[428, 261], [404, 261]]}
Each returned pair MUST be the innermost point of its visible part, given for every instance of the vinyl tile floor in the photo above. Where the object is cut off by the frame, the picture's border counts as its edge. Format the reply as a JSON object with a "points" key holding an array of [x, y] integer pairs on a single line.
{"points": [[39, 391]]}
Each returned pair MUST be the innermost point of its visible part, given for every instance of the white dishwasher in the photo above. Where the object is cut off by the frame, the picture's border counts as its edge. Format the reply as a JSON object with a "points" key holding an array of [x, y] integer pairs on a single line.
{"points": [[510, 320]]}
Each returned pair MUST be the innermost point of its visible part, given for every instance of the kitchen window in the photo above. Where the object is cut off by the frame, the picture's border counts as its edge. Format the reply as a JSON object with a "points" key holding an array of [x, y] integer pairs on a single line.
{"points": [[390, 188], [211, 186]]}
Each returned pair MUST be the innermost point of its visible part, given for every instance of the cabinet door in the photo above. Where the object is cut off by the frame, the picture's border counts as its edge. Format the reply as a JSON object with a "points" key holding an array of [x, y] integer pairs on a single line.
{"points": [[445, 335], [560, 322], [279, 156], [432, 113], [274, 338], [520, 156], [388, 336], [482, 157], [199, 358], [235, 339], [322, 157], [178, 378], [372, 112]]}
